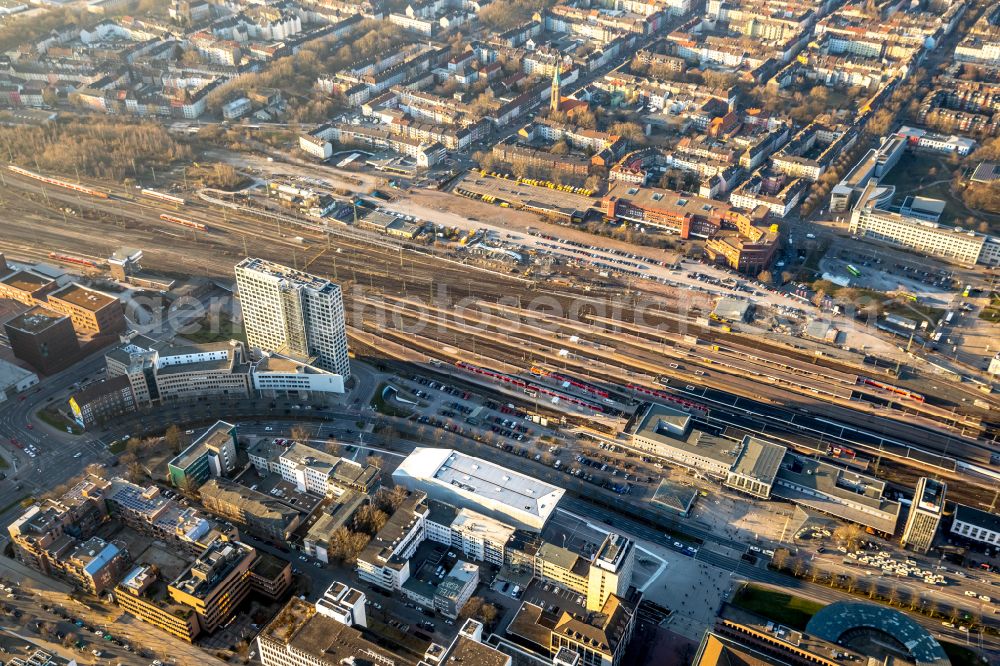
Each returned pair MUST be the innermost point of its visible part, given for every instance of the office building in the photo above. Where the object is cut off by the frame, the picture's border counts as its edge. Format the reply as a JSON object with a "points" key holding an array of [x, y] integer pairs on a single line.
{"points": [[143, 595], [607, 572], [216, 583], [263, 516], [596, 638], [344, 604], [207, 593], [925, 515], [25, 287], [476, 536], [872, 220], [317, 472], [92, 312], [976, 525], [293, 313], [211, 454], [44, 339], [101, 401], [385, 561], [302, 634], [467, 482], [456, 589]]}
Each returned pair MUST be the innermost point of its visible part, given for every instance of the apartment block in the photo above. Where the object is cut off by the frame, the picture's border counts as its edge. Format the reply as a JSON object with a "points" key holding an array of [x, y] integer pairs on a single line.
{"points": [[385, 561]]}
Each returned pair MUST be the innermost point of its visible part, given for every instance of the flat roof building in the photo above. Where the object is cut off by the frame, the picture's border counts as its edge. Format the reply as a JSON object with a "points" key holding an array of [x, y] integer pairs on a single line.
{"points": [[836, 491], [925, 514], [293, 313], [464, 481], [976, 525], [756, 467], [43, 338], [211, 454], [91, 311]]}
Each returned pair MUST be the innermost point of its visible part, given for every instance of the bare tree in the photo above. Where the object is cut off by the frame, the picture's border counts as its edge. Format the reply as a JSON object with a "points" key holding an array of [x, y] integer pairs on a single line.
{"points": [[173, 438], [849, 535], [300, 434]]}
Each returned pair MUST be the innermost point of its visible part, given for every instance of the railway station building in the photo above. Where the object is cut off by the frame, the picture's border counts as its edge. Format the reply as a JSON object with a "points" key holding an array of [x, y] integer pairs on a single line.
{"points": [[838, 492]]}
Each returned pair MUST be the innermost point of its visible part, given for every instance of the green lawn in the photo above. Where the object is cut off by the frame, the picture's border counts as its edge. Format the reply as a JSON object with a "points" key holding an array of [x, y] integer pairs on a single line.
{"points": [[992, 311], [221, 329], [785, 609], [57, 420], [914, 175], [384, 407]]}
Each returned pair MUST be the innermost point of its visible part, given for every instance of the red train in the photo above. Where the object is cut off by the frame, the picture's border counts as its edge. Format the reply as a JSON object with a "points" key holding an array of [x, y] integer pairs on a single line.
{"points": [[72, 260], [528, 387], [577, 383], [684, 403], [186, 223], [916, 397], [59, 183]]}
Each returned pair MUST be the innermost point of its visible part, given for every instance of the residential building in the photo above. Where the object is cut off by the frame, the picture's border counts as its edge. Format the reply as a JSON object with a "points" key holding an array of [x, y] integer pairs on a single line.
{"points": [[293, 313], [467, 482], [211, 454], [93, 565], [925, 514], [976, 525]]}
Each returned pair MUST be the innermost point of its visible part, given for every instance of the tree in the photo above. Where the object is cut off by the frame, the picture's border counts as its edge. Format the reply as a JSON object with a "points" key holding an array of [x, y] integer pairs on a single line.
{"points": [[765, 277], [173, 439], [300, 434], [780, 558], [370, 519], [881, 122], [849, 535], [872, 587], [560, 147], [136, 473]]}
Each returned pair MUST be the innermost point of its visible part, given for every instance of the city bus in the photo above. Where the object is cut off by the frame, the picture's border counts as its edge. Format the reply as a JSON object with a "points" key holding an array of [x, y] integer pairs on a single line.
{"points": [[853, 271]]}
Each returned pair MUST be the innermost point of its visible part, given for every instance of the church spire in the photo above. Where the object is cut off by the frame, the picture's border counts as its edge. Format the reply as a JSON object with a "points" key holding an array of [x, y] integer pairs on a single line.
{"points": [[556, 93]]}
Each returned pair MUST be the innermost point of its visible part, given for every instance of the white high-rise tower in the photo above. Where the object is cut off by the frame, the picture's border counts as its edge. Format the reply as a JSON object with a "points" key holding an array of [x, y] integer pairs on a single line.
{"points": [[293, 313]]}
